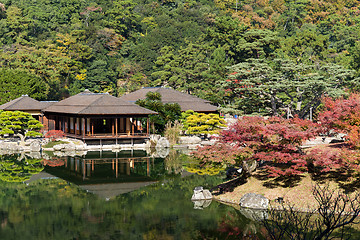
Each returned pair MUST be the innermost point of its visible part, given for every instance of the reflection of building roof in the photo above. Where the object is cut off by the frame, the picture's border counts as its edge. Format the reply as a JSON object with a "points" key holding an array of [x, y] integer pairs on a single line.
{"points": [[168, 95], [110, 190], [96, 104], [40, 175], [25, 103]]}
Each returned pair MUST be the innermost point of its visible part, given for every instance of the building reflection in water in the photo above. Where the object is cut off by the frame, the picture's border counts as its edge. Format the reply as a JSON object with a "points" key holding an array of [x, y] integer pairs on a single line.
{"points": [[108, 173]]}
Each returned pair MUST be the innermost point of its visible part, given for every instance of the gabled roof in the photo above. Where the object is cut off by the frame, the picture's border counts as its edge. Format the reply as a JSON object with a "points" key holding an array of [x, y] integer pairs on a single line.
{"points": [[25, 103], [168, 95], [88, 103]]}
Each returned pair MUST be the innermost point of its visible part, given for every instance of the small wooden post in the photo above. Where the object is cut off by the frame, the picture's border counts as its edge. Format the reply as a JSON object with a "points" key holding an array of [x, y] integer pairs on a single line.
{"points": [[92, 128]]}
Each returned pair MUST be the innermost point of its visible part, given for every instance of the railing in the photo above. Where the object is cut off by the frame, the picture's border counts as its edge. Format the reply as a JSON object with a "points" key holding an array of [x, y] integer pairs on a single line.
{"points": [[108, 135]]}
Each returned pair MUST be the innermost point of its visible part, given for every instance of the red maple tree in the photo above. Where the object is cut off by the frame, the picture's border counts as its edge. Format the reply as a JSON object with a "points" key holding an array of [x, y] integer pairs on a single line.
{"points": [[274, 140]]}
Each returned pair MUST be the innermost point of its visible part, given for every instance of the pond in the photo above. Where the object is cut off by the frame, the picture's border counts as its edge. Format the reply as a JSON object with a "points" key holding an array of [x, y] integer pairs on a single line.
{"points": [[106, 195]]}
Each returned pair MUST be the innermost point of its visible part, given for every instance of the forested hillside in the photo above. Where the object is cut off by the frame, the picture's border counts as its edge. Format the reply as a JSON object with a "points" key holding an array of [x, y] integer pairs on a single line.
{"points": [[248, 56]]}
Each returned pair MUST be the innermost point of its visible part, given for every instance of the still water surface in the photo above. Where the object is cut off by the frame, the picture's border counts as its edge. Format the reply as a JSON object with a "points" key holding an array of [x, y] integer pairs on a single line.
{"points": [[105, 195]]}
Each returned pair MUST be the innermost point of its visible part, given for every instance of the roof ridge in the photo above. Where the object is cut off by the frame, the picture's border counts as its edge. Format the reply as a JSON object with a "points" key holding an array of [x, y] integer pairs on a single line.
{"points": [[97, 99], [12, 102]]}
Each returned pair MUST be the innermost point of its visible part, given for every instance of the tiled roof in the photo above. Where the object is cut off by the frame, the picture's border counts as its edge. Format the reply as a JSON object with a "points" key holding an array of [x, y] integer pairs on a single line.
{"points": [[168, 95], [97, 104], [25, 103]]}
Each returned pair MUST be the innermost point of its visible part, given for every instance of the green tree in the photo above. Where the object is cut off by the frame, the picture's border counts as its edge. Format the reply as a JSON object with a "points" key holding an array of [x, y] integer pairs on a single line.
{"points": [[14, 83], [18, 168], [182, 69], [168, 112], [284, 87], [305, 46], [122, 17], [19, 123]]}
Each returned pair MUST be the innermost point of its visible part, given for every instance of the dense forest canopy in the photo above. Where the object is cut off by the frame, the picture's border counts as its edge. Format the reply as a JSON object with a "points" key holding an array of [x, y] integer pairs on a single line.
{"points": [[119, 46]]}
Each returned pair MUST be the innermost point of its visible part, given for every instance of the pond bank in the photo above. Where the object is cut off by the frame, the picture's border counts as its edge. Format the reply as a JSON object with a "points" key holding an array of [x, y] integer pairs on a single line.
{"points": [[299, 196]]}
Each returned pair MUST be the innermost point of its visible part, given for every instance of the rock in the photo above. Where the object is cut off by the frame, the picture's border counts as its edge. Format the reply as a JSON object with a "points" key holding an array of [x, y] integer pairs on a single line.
{"points": [[58, 147], [35, 146], [162, 143], [189, 140], [201, 194], [254, 214], [182, 146], [208, 143], [11, 146], [255, 201], [233, 172], [250, 165], [69, 147], [80, 147], [36, 155], [153, 140], [161, 153], [147, 144], [202, 204], [207, 194]]}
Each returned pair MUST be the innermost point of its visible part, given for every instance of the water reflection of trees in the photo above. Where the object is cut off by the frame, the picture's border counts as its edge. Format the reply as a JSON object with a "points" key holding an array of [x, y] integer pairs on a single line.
{"points": [[54, 209], [18, 167]]}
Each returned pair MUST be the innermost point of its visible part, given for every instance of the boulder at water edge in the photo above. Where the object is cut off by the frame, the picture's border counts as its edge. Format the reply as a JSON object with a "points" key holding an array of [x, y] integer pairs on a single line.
{"points": [[162, 143], [35, 146], [255, 201], [201, 194]]}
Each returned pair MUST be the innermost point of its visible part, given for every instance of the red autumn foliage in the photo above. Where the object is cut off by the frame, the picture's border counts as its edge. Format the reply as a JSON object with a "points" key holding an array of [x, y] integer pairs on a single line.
{"points": [[341, 160], [54, 134], [53, 162], [343, 115], [274, 140]]}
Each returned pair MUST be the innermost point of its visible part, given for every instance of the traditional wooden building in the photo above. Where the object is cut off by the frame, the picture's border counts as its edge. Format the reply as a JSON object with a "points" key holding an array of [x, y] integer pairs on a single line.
{"points": [[89, 116], [168, 95], [27, 104]]}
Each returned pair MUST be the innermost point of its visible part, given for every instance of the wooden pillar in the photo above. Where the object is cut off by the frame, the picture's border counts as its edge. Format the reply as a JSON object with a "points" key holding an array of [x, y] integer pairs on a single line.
{"points": [[84, 126], [148, 167], [84, 169], [92, 128], [117, 168], [75, 126], [148, 126], [132, 127], [66, 125], [127, 168], [112, 127], [116, 127]]}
